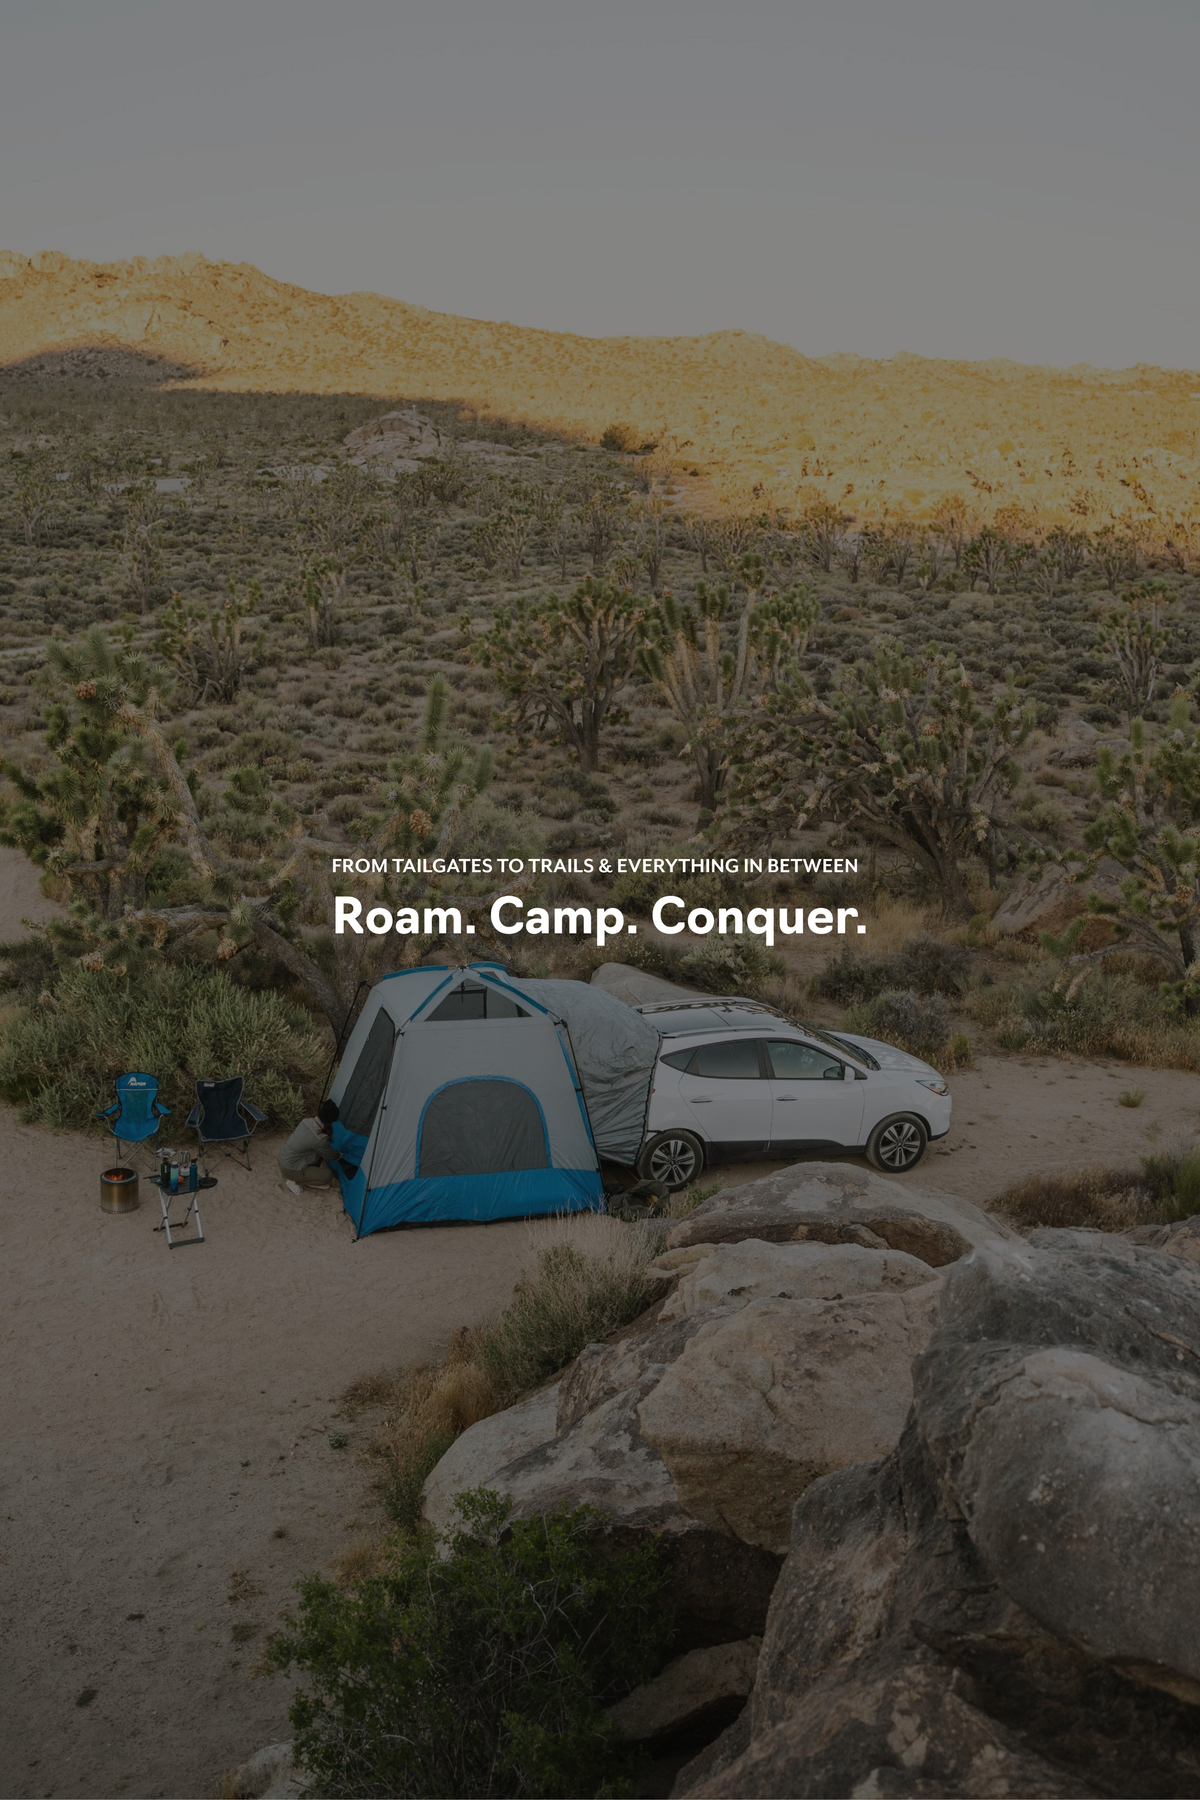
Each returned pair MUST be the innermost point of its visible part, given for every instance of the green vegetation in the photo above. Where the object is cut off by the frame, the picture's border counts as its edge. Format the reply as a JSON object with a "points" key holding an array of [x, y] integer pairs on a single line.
{"points": [[1163, 1188], [62, 1051], [263, 656], [478, 1665]]}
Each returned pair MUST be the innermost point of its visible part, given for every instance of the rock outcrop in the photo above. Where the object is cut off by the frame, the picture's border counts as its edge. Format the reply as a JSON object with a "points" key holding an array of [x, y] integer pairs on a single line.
{"points": [[1006, 1604], [402, 439], [833, 1203], [1051, 902], [689, 1688], [766, 1367]]}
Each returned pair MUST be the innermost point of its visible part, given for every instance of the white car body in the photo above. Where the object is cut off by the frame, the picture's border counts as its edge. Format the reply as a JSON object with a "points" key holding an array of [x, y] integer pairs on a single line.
{"points": [[768, 1087]]}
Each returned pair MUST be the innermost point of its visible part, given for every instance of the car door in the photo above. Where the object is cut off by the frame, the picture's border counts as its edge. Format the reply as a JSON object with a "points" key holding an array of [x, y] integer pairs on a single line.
{"points": [[725, 1089], [812, 1102]]}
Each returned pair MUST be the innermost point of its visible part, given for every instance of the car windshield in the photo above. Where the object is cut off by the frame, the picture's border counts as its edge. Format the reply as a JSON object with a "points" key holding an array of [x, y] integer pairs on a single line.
{"points": [[839, 1043]]}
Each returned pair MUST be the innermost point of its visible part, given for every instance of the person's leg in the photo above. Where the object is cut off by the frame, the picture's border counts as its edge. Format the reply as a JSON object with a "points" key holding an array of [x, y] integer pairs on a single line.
{"points": [[317, 1175]]}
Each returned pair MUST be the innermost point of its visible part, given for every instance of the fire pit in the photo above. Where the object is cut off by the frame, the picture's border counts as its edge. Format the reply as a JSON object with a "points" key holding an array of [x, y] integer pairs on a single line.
{"points": [[119, 1190]]}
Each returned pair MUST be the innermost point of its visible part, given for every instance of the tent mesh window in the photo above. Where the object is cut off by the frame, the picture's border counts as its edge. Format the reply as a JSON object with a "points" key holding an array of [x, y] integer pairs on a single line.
{"points": [[474, 1001], [364, 1090], [482, 1128]]}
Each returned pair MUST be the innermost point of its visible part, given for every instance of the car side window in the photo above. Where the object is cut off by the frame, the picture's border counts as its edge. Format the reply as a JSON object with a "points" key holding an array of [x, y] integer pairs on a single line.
{"points": [[734, 1059], [791, 1061], [679, 1059]]}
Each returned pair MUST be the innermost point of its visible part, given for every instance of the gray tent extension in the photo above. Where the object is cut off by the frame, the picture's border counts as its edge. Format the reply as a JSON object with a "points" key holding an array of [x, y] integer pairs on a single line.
{"points": [[466, 1093]]}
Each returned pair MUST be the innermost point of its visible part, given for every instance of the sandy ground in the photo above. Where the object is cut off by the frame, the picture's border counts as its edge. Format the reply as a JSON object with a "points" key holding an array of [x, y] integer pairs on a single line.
{"points": [[165, 1421], [166, 1414], [20, 895]]}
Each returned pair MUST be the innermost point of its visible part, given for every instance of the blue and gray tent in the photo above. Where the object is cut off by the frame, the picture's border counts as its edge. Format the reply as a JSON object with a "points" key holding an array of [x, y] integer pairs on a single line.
{"points": [[466, 1093]]}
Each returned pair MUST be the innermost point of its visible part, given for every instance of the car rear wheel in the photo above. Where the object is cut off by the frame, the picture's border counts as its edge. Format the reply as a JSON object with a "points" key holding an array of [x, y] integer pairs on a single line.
{"points": [[675, 1158], [898, 1143]]}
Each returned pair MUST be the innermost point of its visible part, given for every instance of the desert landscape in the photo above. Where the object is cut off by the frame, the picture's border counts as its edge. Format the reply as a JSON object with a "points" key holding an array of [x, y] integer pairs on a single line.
{"points": [[290, 578]]}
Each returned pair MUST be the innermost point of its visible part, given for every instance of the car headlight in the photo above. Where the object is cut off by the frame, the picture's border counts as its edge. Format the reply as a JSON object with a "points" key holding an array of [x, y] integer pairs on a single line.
{"points": [[935, 1084]]}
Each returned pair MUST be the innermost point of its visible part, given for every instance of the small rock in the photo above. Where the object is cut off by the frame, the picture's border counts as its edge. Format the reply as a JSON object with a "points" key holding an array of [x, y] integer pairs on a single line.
{"points": [[270, 1774], [686, 1689]]}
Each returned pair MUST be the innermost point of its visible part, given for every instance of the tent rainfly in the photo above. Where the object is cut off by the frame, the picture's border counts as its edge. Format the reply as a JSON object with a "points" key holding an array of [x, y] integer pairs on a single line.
{"points": [[467, 1093]]}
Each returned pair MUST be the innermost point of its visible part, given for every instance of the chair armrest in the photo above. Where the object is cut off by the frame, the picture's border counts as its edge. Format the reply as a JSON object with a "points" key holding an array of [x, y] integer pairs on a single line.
{"points": [[108, 1111], [193, 1119], [260, 1118], [161, 1110]]}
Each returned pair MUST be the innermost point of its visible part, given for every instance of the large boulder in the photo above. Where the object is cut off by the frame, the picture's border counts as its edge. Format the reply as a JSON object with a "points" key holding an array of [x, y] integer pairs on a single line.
{"points": [[1006, 1604], [834, 1203], [732, 1275], [765, 1399], [1055, 898], [1181, 1238], [581, 1443]]}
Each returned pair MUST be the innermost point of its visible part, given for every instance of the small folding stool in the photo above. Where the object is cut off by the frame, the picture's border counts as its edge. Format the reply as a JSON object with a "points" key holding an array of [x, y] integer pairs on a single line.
{"points": [[167, 1195]]}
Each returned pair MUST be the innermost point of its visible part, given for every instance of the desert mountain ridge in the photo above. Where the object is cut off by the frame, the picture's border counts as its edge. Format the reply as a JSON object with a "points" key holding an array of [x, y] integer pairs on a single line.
{"points": [[759, 420]]}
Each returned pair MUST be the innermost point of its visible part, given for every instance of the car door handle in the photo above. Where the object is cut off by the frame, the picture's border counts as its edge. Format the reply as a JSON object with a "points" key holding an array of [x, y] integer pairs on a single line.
{"points": [[706, 1101], [786, 1096]]}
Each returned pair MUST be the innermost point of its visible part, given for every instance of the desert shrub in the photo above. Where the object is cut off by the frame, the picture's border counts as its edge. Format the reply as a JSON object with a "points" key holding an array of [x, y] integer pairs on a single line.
{"points": [[918, 1023], [60, 1055], [1165, 1187], [924, 964], [573, 1296], [479, 1663], [1102, 1015]]}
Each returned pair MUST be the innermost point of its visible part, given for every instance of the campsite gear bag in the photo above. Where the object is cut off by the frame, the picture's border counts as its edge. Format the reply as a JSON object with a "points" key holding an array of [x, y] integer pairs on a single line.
{"points": [[465, 1093], [119, 1190]]}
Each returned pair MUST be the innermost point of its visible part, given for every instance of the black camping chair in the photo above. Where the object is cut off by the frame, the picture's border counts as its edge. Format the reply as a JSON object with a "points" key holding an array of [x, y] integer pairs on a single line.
{"points": [[223, 1120]]}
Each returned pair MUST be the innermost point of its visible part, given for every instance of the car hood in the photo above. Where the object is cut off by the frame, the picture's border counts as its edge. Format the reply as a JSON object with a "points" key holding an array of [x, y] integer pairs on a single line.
{"points": [[887, 1055]]}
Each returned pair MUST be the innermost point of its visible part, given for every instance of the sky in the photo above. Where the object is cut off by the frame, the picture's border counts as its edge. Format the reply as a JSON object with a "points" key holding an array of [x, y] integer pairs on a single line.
{"points": [[956, 178]]}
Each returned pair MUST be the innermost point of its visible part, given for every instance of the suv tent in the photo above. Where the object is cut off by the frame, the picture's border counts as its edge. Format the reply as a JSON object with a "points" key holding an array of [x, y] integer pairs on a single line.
{"points": [[468, 1094]]}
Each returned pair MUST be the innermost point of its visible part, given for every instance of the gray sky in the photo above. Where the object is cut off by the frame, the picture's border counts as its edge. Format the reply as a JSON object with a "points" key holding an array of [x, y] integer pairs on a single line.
{"points": [[964, 178]]}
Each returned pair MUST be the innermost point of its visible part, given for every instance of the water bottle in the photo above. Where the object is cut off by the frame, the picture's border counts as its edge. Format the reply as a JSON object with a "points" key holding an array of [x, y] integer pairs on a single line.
{"points": [[193, 1176], [174, 1174]]}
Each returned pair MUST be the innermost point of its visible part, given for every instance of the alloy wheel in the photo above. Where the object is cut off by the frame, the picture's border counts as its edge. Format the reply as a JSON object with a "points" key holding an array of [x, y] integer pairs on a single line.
{"points": [[900, 1145], [673, 1162]]}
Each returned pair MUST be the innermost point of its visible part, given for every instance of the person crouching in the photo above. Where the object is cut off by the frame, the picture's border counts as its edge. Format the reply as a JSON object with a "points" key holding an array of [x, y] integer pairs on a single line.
{"points": [[307, 1158]]}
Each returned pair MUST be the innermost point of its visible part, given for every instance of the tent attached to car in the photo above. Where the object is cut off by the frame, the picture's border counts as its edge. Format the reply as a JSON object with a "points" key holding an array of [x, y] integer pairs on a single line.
{"points": [[466, 1093]]}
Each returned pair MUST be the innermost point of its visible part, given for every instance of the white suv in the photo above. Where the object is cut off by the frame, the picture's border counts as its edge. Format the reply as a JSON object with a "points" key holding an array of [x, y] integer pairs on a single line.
{"points": [[735, 1081]]}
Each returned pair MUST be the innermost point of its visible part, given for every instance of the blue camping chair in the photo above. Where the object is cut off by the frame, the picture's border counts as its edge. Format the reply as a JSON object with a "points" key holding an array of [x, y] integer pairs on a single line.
{"points": [[223, 1120], [138, 1114]]}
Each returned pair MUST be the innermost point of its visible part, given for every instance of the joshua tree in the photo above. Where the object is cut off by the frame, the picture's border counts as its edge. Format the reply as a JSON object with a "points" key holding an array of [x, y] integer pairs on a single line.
{"points": [[901, 752], [705, 679], [564, 661], [1151, 824], [208, 649], [1133, 634]]}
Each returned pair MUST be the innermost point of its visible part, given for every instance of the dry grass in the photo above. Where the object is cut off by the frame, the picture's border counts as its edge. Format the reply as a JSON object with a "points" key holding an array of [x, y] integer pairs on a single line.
{"points": [[1166, 1187], [583, 1278], [365, 1556], [1100, 1198], [892, 923]]}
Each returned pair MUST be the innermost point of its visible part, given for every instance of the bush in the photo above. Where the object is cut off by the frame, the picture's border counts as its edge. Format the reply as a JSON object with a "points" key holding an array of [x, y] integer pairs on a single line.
{"points": [[60, 1056], [1099, 1015], [572, 1298], [918, 1023], [1166, 1187], [924, 964], [479, 1663]]}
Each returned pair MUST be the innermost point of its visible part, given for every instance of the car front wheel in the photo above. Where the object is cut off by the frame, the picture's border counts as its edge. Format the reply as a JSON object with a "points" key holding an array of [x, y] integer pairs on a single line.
{"points": [[675, 1158], [897, 1144]]}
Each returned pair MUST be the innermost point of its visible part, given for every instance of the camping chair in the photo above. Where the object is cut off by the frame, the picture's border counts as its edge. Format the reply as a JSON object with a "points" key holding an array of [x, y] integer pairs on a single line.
{"points": [[138, 1113], [222, 1119]]}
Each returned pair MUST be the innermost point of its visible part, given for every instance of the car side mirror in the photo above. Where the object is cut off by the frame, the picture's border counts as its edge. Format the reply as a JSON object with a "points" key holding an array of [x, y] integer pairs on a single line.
{"points": [[848, 1074], [835, 1072]]}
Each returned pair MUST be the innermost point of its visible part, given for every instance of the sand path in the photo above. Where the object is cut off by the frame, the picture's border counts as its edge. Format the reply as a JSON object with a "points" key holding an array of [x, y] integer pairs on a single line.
{"points": [[163, 1415]]}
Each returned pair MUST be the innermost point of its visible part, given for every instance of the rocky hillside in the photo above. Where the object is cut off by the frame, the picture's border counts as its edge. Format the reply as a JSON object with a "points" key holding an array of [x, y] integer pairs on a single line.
{"points": [[752, 416]]}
